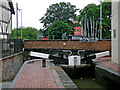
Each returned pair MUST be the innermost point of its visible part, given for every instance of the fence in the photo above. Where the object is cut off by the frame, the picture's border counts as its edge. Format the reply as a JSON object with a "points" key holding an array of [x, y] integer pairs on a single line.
{"points": [[10, 46]]}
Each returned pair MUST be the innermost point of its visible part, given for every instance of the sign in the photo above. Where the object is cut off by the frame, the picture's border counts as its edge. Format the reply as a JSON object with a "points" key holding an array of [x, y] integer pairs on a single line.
{"points": [[114, 31], [101, 27]]}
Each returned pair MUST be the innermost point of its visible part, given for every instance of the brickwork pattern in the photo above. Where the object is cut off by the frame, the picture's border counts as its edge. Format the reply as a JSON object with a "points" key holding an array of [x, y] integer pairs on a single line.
{"points": [[107, 63], [107, 73], [58, 44], [36, 76]]}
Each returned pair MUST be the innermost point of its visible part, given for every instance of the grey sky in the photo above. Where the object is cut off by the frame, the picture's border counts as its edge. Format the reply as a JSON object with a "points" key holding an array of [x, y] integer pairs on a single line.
{"points": [[33, 10]]}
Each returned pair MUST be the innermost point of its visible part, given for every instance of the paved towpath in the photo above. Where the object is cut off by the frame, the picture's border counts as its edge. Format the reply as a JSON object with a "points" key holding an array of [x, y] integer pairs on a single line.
{"points": [[33, 75], [105, 62]]}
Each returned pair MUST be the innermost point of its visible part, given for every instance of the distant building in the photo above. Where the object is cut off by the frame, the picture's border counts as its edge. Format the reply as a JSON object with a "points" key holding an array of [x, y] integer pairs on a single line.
{"points": [[46, 38], [6, 11], [77, 31]]}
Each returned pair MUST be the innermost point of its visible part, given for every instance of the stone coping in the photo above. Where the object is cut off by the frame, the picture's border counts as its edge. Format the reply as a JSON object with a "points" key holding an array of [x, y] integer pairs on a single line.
{"points": [[10, 56], [64, 78], [106, 64], [117, 73]]}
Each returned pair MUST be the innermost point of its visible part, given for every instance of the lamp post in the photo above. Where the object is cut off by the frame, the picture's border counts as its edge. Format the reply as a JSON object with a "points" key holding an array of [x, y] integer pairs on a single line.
{"points": [[17, 18], [100, 19], [85, 24], [21, 22], [82, 27]]}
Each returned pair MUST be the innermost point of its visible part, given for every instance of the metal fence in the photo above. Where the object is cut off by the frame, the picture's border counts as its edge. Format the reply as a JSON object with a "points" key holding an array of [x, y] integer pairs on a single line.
{"points": [[10, 46]]}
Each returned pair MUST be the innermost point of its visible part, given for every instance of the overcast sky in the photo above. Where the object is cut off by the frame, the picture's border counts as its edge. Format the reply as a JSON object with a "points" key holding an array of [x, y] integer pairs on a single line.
{"points": [[33, 10]]}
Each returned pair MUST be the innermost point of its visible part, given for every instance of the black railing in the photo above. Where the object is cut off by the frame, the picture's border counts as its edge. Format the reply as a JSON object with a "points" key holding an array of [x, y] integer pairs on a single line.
{"points": [[10, 46]]}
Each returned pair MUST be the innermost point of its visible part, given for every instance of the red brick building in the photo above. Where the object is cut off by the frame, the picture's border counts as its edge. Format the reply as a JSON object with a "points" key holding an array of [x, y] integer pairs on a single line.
{"points": [[77, 31]]}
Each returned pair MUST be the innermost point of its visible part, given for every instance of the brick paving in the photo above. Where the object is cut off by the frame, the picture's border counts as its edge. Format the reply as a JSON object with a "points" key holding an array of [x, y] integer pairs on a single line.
{"points": [[36, 76], [107, 63]]}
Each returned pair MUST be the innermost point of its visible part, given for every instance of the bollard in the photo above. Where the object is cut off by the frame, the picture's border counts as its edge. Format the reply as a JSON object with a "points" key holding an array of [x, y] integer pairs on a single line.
{"points": [[43, 63], [75, 63]]}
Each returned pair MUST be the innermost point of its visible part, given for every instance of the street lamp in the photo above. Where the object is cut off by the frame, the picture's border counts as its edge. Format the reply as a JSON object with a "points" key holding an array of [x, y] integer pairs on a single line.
{"points": [[21, 22], [85, 24], [17, 19], [100, 19]]}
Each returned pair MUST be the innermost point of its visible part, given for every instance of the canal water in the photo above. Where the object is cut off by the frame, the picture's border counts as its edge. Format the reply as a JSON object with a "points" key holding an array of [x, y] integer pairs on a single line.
{"points": [[83, 77], [85, 83]]}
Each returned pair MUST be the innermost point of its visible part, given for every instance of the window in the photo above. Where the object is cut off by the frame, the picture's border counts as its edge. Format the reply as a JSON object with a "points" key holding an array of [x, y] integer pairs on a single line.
{"points": [[77, 30]]}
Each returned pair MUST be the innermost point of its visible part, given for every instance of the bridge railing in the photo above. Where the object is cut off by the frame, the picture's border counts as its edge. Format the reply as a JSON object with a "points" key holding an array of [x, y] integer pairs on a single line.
{"points": [[10, 46]]}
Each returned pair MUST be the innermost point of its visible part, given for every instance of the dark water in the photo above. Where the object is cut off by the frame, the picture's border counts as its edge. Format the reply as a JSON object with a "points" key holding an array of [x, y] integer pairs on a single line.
{"points": [[87, 83]]}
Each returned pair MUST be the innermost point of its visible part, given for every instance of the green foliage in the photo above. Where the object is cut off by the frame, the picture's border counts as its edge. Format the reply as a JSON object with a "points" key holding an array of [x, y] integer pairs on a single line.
{"points": [[72, 24], [94, 10], [58, 28], [40, 34], [27, 33], [90, 10], [106, 34], [62, 11], [45, 33], [41, 31], [106, 7]]}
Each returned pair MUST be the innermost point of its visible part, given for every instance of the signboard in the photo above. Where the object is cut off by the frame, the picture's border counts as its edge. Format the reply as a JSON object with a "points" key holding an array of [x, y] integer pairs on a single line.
{"points": [[114, 32], [101, 27]]}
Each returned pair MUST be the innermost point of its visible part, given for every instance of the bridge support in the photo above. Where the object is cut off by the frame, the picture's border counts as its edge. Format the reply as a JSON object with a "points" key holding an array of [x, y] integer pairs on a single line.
{"points": [[115, 31]]}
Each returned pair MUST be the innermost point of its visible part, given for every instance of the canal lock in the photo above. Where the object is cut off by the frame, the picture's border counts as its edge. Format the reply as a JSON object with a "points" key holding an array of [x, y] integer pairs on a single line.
{"points": [[82, 75]]}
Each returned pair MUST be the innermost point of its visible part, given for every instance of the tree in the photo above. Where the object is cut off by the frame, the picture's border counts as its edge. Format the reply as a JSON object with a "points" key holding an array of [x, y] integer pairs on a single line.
{"points": [[93, 10], [106, 20], [40, 34], [90, 10], [58, 28], [62, 11], [27, 33]]}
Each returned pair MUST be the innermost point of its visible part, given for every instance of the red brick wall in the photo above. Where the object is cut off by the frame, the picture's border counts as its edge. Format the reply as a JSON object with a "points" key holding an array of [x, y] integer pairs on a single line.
{"points": [[58, 44]]}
